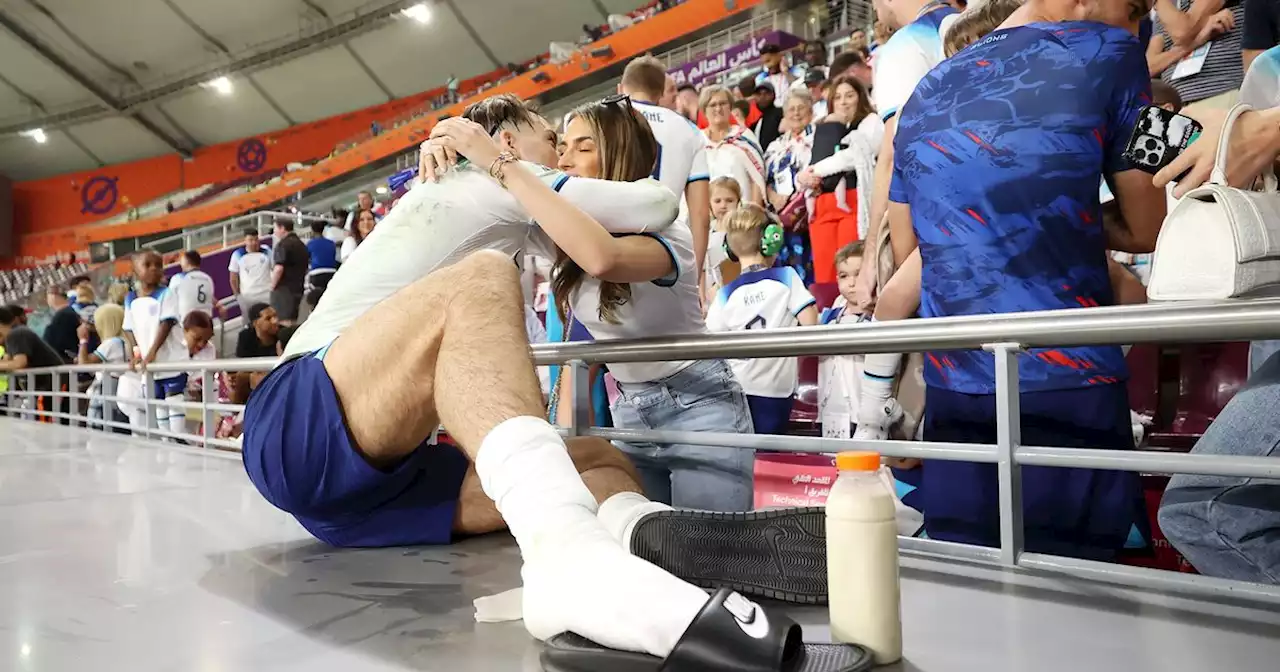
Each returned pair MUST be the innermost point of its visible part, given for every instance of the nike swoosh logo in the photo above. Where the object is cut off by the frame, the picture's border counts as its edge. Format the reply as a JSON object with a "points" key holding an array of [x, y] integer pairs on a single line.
{"points": [[748, 615], [772, 535]]}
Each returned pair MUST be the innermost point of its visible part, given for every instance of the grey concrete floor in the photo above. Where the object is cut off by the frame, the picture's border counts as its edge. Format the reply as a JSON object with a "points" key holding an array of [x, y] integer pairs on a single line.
{"points": [[124, 554]]}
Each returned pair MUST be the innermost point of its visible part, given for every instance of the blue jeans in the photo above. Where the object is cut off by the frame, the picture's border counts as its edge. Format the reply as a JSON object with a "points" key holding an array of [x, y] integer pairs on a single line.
{"points": [[705, 397], [1259, 351], [1230, 527]]}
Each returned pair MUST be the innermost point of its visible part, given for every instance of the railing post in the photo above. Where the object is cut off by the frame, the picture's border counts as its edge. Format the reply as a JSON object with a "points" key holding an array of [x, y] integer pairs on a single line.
{"points": [[149, 411], [580, 400], [208, 394], [32, 402], [1008, 438]]}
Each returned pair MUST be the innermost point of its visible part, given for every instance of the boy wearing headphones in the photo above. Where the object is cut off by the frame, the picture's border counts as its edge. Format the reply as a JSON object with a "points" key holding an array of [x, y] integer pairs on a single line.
{"points": [[762, 297]]}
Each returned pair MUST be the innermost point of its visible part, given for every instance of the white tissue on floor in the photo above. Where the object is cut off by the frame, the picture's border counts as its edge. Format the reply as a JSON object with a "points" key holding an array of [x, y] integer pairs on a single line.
{"points": [[500, 608]]}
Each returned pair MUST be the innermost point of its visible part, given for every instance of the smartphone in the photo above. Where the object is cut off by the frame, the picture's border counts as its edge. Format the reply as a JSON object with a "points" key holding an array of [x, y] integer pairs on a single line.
{"points": [[1159, 137]]}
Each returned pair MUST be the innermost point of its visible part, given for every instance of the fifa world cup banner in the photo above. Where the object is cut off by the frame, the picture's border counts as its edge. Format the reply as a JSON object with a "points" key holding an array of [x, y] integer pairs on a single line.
{"points": [[733, 58]]}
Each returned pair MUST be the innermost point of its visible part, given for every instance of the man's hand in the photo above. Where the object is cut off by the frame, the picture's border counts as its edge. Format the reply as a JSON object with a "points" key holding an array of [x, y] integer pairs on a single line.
{"points": [[434, 160], [1253, 145], [452, 137], [83, 331], [807, 179], [1217, 25], [778, 201]]}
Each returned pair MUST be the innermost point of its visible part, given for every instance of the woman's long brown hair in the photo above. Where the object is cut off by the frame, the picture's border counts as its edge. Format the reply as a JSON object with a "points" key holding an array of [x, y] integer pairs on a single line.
{"points": [[628, 152]]}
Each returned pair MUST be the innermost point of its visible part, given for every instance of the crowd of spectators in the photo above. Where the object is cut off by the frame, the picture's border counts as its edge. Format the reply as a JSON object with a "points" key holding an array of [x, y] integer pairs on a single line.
{"points": [[884, 171]]}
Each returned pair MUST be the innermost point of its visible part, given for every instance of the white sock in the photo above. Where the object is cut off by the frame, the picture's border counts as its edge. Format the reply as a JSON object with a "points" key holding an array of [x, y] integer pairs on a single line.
{"points": [[621, 512], [577, 578], [611, 597], [525, 469], [177, 420], [878, 372]]}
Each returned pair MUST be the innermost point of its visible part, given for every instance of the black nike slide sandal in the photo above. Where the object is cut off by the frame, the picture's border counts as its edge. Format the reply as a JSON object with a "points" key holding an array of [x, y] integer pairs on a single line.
{"points": [[778, 554], [730, 633]]}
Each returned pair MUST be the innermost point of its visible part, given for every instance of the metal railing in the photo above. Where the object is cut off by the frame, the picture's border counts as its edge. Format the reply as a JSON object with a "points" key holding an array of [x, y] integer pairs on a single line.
{"points": [[1005, 336], [226, 233], [845, 15], [27, 403]]}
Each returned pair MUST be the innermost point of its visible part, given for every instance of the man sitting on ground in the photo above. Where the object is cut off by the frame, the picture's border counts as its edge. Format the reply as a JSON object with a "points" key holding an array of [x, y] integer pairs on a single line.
{"points": [[427, 328]]}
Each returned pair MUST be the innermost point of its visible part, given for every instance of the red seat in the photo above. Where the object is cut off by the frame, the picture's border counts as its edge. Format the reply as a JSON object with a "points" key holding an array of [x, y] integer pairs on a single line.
{"points": [[825, 293], [1144, 378], [1209, 375], [1183, 387]]}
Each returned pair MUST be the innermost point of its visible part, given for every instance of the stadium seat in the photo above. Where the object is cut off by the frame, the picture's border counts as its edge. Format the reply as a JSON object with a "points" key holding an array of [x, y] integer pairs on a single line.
{"points": [[1209, 374]]}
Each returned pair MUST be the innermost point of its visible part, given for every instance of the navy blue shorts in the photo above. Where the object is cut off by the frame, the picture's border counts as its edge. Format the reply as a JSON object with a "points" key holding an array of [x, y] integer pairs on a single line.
{"points": [[163, 388], [1084, 513], [770, 415], [299, 454]]}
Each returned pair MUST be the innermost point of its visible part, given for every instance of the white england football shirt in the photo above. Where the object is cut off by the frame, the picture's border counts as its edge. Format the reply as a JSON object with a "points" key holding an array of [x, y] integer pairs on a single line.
{"points": [[907, 57], [254, 269], [194, 290], [682, 148], [768, 299], [664, 307], [438, 223], [143, 315]]}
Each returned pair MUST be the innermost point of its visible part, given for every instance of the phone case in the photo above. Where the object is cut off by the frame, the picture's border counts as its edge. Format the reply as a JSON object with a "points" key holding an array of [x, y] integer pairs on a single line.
{"points": [[1159, 137]]}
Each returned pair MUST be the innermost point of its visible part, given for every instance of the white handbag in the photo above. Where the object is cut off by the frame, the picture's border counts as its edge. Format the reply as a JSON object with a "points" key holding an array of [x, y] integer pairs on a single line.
{"points": [[1219, 242]]}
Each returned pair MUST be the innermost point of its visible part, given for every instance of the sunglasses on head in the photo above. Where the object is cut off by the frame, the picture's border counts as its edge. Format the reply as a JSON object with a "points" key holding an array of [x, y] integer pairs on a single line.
{"points": [[618, 99]]}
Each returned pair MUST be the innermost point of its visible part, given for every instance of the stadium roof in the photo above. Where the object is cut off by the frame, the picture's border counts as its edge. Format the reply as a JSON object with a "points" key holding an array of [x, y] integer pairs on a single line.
{"points": [[108, 81]]}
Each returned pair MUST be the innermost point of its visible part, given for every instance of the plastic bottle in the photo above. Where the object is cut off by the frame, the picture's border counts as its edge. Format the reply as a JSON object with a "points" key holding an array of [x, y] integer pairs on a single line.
{"points": [[862, 559]]}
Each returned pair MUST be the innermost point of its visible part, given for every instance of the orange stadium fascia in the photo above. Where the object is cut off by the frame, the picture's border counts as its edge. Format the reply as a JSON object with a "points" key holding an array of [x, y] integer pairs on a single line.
{"points": [[56, 200]]}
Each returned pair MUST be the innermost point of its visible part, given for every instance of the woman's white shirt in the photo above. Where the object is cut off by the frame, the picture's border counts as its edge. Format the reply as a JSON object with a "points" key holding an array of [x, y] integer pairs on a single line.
{"points": [[348, 246], [737, 156], [664, 307]]}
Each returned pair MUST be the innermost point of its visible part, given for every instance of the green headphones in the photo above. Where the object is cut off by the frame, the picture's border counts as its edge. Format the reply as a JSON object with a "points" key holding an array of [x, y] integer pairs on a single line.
{"points": [[771, 241]]}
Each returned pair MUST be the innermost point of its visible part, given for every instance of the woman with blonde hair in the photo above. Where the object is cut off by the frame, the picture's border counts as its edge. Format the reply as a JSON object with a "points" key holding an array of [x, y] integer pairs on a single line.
{"points": [[732, 151], [109, 322]]}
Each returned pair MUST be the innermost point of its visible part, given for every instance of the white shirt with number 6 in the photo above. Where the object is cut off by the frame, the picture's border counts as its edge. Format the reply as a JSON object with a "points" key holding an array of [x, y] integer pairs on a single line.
{"points": [[194, 290]]}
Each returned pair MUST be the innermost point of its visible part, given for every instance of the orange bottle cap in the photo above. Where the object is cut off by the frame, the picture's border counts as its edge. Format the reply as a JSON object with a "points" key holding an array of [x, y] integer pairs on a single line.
{"points": [[858, 460]]}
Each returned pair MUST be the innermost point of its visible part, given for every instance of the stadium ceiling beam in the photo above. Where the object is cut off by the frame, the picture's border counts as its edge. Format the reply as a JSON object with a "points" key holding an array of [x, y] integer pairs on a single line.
{"points": [[104, 98], [475, 36], [346, 44], [604, 11], [217, 44], [266, 58], [31, 100]]}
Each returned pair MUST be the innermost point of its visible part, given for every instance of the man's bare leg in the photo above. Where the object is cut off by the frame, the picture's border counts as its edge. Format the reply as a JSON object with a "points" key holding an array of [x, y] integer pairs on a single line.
{"points": [[451, 348]]}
